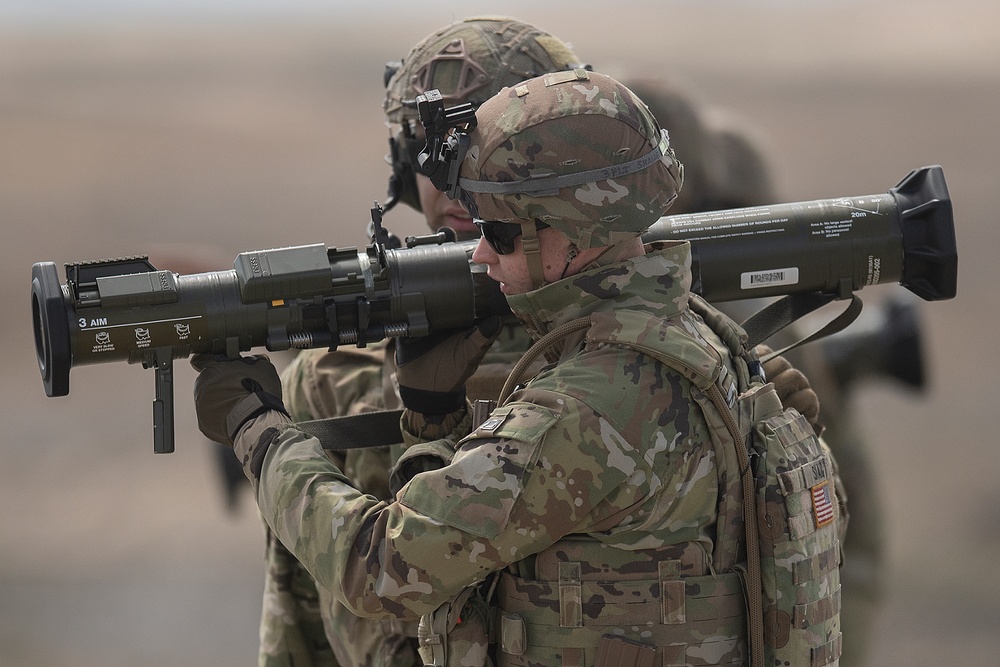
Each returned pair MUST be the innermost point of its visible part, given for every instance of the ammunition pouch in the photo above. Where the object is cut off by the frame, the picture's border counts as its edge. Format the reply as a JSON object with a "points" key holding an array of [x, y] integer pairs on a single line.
{"points": [[457, 634], [681, 620]]}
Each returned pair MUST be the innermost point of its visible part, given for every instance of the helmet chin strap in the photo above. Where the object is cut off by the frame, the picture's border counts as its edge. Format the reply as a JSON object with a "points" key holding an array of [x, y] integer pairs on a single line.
{"points": [[532, 254], [533, 257], [571, 254]]}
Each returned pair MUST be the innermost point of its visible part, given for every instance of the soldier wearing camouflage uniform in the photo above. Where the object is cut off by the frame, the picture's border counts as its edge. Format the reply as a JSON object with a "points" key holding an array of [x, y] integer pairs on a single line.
{"points": [[573, 513], [301, 624], [468, 61]]}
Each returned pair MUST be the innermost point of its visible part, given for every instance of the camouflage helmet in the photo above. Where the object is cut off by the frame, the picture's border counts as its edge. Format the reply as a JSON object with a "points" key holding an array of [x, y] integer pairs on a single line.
{"points": [[576, 150], [467, 61]]}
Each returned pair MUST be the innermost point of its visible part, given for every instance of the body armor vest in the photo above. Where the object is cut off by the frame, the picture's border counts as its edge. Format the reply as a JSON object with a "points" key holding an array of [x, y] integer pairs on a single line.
{"points": [[581, 603]]}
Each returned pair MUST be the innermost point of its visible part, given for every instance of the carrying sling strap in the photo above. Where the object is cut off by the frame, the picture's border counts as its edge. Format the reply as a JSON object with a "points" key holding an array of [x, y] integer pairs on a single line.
{"points": [[776, 316], [540, 346], [368, 429]]}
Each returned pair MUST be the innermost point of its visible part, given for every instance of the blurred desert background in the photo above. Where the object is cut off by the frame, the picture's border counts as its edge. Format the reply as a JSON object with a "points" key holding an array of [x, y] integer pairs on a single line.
{"points": [[198, 132]]}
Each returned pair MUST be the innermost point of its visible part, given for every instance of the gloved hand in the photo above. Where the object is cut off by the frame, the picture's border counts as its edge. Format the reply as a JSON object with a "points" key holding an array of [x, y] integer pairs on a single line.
{"points": [[229, 392], [792, 387], [432, 370]]}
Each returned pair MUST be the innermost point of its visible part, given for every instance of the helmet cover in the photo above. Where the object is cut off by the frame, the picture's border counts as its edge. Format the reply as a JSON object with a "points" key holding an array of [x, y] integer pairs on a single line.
{"points": [[471, 60], [576, 150], [467, 61]]}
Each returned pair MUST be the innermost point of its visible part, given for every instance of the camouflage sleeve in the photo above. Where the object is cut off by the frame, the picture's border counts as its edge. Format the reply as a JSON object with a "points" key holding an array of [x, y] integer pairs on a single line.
{"points": [[319, 384], [532, 473], [291, 628]]}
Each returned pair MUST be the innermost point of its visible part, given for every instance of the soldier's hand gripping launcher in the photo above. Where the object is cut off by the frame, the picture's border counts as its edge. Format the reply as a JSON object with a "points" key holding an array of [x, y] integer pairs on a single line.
{"points": [[318, 296]]}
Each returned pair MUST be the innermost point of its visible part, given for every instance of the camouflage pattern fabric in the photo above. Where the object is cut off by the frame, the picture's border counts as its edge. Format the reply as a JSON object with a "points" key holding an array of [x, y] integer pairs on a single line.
{"points": [[291, 630], [470, 60], [467, 61], [602, 126], [726, 165], [574, 452], [367, 473], [801, 510], [801, 522], [303, 625], [863, 571]]}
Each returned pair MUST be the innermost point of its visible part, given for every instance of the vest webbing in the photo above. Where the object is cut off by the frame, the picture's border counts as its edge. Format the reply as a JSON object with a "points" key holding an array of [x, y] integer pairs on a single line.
{"points": [[581, 590], [691, 620], [704, 375]]}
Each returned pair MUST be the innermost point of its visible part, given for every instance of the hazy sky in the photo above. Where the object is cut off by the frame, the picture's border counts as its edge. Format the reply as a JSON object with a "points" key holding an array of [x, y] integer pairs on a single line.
{"points": [[75, 10], [103, 9]]}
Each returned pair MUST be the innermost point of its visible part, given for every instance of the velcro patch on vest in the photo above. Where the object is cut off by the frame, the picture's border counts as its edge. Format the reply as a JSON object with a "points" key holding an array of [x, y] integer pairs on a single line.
{"points": [[822, 500], [817, 566], [555, 78], [489, 427], [806, 476], [827, 653]]}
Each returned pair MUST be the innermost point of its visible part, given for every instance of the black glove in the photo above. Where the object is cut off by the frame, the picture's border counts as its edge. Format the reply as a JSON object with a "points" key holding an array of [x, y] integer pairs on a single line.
{"points": [[792, 387], [230, 392], [432, 370]]}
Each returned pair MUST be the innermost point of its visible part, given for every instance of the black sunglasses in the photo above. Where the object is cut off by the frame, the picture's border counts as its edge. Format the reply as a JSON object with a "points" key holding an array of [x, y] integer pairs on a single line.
{"points": [[501, 235]]}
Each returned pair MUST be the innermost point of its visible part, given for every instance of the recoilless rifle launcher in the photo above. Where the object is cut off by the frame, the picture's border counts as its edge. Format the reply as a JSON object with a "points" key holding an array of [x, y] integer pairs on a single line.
{"points": [[318, 296]]}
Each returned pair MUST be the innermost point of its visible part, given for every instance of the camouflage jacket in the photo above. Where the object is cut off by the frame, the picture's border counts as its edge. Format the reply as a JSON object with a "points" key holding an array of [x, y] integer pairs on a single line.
{"points": [[607, 442], [302, 624]]}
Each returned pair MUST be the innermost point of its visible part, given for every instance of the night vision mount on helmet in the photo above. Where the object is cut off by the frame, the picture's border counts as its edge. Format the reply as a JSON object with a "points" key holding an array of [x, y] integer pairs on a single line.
{"points": [[467, 61], [576, 150]]}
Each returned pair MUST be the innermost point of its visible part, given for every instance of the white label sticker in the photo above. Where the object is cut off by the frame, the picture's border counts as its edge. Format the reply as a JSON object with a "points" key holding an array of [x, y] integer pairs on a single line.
{"points": [[769, 278]]}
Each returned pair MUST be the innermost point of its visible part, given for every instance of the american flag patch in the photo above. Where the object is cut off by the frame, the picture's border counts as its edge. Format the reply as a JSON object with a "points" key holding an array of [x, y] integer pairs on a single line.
{"points": [[823, 510]]}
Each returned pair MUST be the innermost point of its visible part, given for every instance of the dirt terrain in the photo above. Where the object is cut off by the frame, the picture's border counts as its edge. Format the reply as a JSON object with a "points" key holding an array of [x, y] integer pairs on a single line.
{"points": [[193, 142]]}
